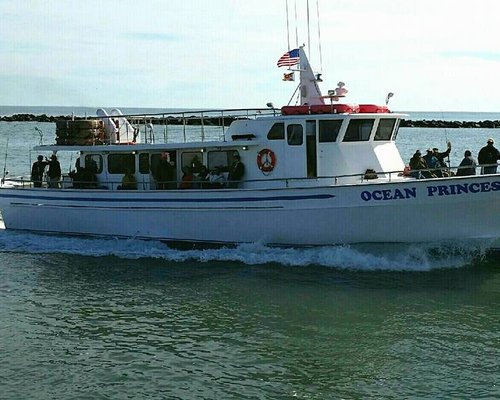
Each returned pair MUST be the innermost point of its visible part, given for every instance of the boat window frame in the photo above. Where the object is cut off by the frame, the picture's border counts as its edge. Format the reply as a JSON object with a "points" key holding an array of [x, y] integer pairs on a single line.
{"points": [[322, 136], [123, 165], [385, 138], [229, 159], [277, 129], [359, 137], [396, 129], [95, 157], [293, 136], [194, 166], [154, 160]]}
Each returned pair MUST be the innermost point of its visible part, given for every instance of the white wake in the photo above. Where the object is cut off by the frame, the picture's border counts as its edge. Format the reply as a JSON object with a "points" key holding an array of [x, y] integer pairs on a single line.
{"points": [[401, 257]]}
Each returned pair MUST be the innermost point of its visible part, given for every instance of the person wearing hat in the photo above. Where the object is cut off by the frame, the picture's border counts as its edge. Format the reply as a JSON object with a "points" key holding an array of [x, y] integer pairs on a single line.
{"points": [[488, 156], [417, 163], [236, 171], [441, 156], [37, 170], [54, 172], [432, 163]]}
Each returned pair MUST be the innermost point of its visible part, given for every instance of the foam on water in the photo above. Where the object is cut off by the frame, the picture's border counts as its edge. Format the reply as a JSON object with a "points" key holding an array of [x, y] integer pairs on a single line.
{"points": [[397, 257]]}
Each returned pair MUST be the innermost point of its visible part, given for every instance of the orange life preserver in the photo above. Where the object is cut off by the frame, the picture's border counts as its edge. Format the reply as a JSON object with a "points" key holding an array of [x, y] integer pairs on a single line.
{"points": [[266, 160]]}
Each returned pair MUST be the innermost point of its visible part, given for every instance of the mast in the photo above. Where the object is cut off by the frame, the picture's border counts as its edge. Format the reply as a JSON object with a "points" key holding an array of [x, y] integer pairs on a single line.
{"points": [[310, 93]]}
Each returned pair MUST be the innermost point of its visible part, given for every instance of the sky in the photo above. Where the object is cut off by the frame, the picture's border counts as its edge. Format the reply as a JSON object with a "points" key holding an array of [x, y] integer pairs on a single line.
{"points": [[434, 55]]}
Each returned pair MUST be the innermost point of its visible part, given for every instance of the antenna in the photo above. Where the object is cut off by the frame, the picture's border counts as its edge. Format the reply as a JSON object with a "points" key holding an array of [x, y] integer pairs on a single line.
{"points": [[5, 172], [389, 95]]}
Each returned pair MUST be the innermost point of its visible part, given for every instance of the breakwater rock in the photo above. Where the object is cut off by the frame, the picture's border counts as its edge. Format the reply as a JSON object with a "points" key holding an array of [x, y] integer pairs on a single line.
{"points": [[406, 123]]}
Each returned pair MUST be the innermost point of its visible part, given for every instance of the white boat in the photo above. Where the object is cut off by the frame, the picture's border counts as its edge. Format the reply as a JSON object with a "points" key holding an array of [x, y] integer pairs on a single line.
{"points": [[318, 173]]}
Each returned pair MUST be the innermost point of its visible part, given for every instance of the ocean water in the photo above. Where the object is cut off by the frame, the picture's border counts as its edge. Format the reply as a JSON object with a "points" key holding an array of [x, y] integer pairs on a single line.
{"points": [[86, 318]]}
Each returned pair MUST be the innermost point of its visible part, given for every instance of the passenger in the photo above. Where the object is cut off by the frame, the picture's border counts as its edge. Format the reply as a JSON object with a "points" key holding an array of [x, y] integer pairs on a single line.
{"points": [[37, 171], [236, 172], [54, 173], [201, 178], [489, 155], [441, 158], [216, 179], [89, 178], [187, 178], [433, 163], [77, 175], [128, 182], [196, 165], [164, 173], [467, 166], [417, 165]]}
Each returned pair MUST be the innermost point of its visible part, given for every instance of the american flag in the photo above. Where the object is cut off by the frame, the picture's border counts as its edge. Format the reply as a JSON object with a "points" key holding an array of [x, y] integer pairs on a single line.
{"points": [[289, 58]]}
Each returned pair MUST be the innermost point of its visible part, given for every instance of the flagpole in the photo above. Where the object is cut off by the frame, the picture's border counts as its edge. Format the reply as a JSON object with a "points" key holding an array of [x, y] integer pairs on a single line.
{"points": [[287, 26], [319, 39], [308, 32], [296, 27]]}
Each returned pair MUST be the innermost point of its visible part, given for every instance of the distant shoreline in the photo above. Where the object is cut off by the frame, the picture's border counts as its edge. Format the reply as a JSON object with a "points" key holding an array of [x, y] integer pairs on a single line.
{"points": [[405, 123]]}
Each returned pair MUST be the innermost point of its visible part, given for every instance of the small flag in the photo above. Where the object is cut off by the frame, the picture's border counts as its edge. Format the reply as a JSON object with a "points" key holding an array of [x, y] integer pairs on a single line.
{"points": [[289, 58], [288, 77]]}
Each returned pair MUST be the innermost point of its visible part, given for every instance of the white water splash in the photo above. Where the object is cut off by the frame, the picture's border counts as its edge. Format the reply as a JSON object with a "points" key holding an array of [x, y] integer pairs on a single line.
{"points": [[400, 257]]}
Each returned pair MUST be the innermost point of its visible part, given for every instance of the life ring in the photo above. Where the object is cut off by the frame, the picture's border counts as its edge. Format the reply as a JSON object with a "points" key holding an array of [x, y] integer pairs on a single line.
{"points": [[266, 160]]}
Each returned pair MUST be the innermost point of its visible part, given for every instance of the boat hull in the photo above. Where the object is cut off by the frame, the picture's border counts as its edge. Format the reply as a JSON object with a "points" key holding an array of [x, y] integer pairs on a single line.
{"points": [[391, 212]]}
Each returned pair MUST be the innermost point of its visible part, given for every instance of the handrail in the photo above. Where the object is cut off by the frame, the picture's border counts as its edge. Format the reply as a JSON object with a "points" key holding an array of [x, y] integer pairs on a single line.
{"points": [[226, 112], [336, 178]]}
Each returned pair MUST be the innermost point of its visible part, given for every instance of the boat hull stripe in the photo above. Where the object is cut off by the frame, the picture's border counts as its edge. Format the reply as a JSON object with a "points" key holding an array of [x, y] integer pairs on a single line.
{"points": [[169, 200]]}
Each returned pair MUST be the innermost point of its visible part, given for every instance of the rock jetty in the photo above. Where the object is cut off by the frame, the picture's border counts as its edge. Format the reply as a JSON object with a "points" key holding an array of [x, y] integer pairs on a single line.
{"points": [[227, 120], [406, 123]]}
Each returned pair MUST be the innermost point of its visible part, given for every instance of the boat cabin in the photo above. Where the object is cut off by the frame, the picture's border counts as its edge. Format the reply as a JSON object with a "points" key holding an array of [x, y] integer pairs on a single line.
{"points": [[295, 146]]}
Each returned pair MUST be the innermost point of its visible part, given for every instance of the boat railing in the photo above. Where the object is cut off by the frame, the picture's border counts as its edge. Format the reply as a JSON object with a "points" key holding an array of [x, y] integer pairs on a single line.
{"points": [[295, 182], [185, 125]]}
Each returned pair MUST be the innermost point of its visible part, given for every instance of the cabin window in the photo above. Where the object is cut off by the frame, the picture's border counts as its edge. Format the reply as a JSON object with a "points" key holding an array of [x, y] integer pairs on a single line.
{"points": [[121, 163], [220, 159], [385, 129], [295, 135], [144, 163], [155, 160], [277, 131], [93, 160], [194, 160], [358, 130], [329, 130]]}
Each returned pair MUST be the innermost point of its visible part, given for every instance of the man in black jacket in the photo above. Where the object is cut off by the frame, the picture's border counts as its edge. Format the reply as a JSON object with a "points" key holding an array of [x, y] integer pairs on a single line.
{"points": [[54, 172], [236, 171], [489, 154], [37, 171]]}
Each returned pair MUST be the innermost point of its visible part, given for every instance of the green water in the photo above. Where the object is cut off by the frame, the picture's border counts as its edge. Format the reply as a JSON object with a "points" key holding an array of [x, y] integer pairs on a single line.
{"points": [[77, 327]]}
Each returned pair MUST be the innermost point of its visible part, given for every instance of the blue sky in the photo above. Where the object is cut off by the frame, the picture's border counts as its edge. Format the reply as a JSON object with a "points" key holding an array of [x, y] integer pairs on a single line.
{"points": [[435, 55]]}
